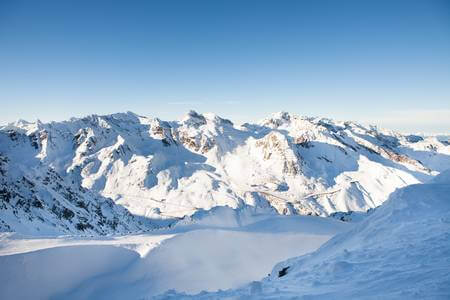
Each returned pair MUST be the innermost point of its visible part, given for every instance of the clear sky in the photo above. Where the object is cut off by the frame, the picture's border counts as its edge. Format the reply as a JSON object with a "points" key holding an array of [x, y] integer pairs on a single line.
{"points": [[383, 62]]}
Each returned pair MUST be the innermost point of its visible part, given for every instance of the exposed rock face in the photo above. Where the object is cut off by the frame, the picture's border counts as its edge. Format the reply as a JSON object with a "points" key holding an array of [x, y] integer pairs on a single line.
{"points": [[163, 131], [276, 146], [65, 173], [387, 151], [200, 144]]}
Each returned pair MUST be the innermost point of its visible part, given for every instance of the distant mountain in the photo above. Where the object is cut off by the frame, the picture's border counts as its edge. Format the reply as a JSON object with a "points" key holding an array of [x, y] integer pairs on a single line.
{"points": [[124, 172]]}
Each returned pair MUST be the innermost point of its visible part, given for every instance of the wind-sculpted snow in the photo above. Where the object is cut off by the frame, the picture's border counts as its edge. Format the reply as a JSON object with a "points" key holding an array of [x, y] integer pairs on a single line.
{"points": [[125, 173], [401, 251]]}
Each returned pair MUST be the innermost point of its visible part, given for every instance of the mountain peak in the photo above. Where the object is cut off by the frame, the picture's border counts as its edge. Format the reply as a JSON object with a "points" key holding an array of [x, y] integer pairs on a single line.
{"points": [[194, 118], [277, 119]]}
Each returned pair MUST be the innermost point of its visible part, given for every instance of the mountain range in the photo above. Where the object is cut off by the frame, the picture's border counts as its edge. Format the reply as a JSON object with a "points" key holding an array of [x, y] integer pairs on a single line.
{"points": [[123, 173]]}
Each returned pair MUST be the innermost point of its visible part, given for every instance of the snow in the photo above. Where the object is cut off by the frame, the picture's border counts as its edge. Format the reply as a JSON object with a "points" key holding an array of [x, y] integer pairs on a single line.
{"points": [[191, 257], [124, 206], [443, 178], [401, 251], [142, 173], [45, 273]]}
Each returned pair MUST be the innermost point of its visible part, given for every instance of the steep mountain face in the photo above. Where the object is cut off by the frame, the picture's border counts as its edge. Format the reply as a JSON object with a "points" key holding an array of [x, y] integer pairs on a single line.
{"points": [[36, 200], [133, 172]]}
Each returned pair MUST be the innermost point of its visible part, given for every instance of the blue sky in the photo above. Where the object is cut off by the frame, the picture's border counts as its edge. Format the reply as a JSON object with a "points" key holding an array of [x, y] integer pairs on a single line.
{"points": [[383, 62]]}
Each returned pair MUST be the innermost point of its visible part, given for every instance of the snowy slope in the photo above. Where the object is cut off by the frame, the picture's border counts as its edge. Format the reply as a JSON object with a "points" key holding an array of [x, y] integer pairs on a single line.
{"points": [[35, 199], [124, 172], [401, 251]]}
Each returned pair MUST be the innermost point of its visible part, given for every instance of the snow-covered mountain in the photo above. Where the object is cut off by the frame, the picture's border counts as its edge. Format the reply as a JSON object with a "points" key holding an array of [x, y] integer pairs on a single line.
{"points": [[401, 251], [125, 173]]}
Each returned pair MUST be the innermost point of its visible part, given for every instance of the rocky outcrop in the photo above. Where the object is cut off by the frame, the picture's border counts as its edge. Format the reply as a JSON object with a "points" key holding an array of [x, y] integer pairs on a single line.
{"points": [[276, 146]]}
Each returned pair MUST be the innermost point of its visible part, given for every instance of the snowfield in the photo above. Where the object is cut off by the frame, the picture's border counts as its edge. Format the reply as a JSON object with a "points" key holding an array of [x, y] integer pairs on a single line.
{"points": [[215, 252]]}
